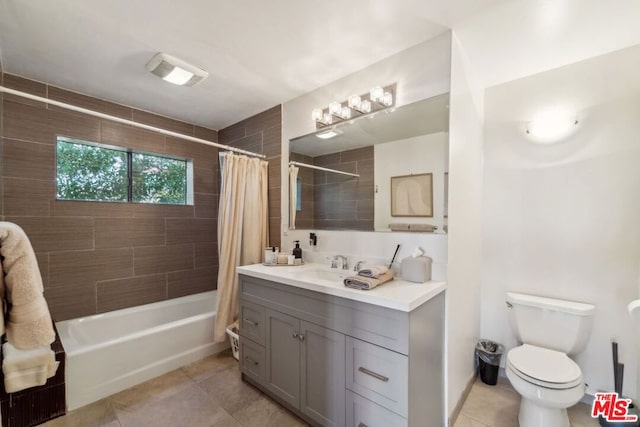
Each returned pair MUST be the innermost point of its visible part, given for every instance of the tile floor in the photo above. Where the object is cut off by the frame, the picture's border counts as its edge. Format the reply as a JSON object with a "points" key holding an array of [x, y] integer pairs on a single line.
{"points": [[497, 406], [206, 393], [210, 393]]}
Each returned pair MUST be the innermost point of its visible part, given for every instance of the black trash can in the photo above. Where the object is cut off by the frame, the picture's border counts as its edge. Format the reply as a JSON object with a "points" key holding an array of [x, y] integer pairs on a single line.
{"points": [[489, 354]]}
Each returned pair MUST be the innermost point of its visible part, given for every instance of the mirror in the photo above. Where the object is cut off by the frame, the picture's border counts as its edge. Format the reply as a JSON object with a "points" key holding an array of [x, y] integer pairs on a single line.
{"points": [[401, 156]]}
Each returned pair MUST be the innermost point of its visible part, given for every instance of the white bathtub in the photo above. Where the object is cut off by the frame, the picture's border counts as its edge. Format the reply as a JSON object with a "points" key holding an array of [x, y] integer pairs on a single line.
{"points": [[110, 352]]}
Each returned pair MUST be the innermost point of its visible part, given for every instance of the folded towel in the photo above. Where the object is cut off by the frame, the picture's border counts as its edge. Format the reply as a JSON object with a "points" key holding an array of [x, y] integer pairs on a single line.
{"points": [[27, 368], [399, 227], [367, 283], [29, 323], [374, 271], [15, 360], [27, 378], [412, 227], [422, 227]]}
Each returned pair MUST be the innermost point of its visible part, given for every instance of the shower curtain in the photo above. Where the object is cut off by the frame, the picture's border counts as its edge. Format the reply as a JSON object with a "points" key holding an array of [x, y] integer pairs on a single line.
{"points": [[243, 230], [293, 195]]}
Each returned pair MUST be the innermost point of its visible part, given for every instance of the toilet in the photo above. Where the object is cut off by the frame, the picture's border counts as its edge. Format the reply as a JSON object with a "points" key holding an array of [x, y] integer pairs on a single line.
{"points": [[540, 370]]}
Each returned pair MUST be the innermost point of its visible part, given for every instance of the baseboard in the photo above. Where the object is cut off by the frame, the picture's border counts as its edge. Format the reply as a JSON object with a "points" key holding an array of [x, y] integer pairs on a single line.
{"points": [[463, 397]]}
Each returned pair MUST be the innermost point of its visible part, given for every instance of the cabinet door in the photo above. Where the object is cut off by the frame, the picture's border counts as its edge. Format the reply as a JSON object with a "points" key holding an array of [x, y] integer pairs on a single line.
{"points": [[283, 356], [322, 383]]}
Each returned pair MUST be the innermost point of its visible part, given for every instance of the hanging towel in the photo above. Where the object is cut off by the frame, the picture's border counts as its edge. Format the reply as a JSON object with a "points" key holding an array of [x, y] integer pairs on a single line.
{"points": [[23, 369], [367, 283], [2, 327], [29, 323], [374, 271]]}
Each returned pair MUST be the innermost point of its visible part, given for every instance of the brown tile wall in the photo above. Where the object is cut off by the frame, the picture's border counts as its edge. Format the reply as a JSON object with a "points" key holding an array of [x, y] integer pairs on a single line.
{"points": [[342, 202], [262, 133], [98, 256], [304, 218]]}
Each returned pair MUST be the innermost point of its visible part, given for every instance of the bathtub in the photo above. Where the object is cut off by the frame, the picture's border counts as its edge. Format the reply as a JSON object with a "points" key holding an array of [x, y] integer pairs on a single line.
{"points": [[110, 352]]}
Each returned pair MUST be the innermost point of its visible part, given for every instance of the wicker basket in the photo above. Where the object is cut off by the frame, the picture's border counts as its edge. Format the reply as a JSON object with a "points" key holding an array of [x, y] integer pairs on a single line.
{"points": [[234, 339]]}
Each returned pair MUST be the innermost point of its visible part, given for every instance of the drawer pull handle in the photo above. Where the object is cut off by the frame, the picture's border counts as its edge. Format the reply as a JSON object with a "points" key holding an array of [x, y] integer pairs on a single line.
{"points": [[251, 322], [373, 374], [250, 360], [362, 425], [295, 334], [301, 337]]}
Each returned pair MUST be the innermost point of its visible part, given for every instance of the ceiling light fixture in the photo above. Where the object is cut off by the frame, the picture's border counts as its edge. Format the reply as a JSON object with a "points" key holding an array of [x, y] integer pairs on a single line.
{"points": [[551, 126], [377, 99], [175, 70], [329, 134]]}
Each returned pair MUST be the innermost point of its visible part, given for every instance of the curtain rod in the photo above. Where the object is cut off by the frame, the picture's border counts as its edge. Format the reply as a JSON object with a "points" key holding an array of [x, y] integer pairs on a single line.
{"points": [[305, 165], [126, 121]]}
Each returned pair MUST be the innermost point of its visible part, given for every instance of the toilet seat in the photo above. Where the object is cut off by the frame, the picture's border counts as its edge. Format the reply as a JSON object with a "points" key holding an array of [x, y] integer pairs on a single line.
{"points": [[543, 367]]}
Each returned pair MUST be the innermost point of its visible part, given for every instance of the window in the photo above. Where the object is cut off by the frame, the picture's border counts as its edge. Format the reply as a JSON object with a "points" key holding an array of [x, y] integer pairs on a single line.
{"points": [[87, 171]]}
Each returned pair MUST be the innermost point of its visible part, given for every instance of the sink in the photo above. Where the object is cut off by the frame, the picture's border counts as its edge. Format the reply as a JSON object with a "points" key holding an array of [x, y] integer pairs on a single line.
{"points": [[326, 274]]}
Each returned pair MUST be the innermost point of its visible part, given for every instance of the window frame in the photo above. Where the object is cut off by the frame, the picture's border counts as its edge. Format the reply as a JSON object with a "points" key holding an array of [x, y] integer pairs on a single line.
{"points": [[188, 182]]}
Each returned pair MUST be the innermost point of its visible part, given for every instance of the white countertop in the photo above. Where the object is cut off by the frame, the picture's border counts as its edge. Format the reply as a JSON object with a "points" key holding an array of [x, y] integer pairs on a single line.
{"points": [[397, 294]]}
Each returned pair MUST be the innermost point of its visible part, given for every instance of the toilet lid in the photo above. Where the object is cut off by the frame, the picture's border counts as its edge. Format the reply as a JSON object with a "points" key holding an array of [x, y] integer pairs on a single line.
{"points": [[545, 366]]}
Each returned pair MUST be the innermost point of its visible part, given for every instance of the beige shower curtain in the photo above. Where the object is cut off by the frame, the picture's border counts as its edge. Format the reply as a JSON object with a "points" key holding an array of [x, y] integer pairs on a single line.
{"points": [[293, 195], [243, 230]]}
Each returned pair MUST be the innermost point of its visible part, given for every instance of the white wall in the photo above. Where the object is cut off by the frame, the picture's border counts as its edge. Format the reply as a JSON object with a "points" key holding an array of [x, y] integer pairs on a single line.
{"points": [[562, 220], [420, 154], [465, 225]]}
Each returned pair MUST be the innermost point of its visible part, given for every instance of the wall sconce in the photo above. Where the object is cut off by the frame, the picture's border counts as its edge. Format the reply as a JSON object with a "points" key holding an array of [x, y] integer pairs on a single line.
{"points": [[551, 126], [377, 99]]}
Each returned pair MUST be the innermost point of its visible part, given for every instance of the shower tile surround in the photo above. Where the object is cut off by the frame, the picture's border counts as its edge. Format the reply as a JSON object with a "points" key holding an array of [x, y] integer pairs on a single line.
{"points": [[262, 134], [336, 202], [102, 256]]}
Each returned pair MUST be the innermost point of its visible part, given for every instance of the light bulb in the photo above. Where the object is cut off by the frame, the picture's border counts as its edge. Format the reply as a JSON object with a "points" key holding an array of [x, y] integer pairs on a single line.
{"points": [[365, 106], [387, 99], [335, 108], [345, 113], [376, 93], [178, 76], [316, 114], [354, 101], [327, 119]]}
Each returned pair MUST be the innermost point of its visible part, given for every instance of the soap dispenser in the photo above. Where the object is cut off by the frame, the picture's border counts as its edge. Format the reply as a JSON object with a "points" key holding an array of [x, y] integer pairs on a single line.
{"points": [[297, 252]]}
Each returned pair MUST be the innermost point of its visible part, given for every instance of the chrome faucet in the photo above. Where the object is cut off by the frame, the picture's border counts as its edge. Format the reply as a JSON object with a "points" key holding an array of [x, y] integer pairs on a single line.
{"points": [[358, 265], [345, 262]]}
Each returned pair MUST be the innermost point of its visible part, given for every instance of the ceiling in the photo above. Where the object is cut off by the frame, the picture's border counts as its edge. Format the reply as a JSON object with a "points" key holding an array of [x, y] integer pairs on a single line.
{"points": [[258, 53]]}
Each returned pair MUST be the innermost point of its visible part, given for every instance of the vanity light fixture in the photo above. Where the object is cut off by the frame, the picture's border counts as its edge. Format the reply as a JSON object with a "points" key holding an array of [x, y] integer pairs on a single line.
{"points": [[378, 98], [551, 126], [175, 70]]}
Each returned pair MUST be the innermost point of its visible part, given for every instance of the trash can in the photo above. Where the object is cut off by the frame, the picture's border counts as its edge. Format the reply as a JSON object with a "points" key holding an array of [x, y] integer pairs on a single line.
{"points": [[489, 354]]}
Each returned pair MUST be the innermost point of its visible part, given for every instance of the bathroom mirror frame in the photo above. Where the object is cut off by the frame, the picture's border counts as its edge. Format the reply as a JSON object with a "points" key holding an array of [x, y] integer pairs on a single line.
{"points": [[411, 128]]}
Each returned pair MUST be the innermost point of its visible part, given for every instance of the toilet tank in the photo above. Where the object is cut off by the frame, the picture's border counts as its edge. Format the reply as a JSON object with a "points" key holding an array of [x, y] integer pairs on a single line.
{"points": [[550, 323]]}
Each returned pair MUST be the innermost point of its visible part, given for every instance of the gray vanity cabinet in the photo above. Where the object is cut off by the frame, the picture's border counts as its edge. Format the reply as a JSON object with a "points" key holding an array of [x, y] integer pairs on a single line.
{"points": [[304, 367], [339, 362]]}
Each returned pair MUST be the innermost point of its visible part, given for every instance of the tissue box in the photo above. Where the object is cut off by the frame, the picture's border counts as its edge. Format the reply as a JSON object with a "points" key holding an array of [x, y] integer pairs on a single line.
{"points": [[416, 269]]}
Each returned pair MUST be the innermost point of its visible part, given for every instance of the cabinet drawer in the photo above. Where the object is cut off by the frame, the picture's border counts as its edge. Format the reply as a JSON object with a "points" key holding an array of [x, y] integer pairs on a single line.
{"points": [[378, 374], [252, 360], [252, 322], [364, 413]]}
